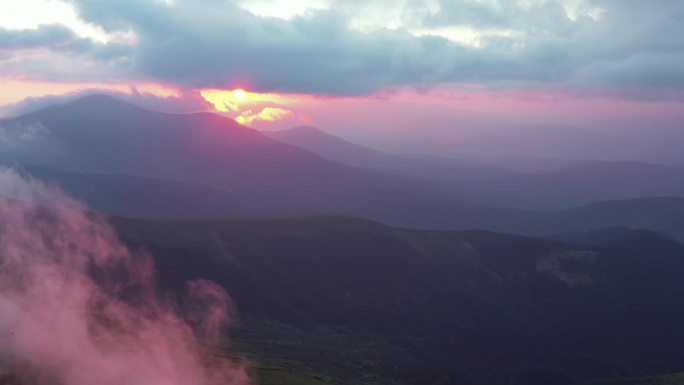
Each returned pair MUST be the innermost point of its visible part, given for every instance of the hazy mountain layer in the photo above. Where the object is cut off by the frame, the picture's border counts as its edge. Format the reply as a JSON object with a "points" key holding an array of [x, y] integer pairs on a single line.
{"points": [[339, 150], [125, 160]]}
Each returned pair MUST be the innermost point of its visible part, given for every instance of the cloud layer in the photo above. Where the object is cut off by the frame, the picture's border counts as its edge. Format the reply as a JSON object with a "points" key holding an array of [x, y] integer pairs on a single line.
{"points": [[348, 47]]}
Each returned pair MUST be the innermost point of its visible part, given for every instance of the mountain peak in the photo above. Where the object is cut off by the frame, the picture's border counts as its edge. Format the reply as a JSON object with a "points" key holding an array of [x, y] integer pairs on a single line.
{"points": [[89, 105], [103, 102], [97, 98], [305, 130]]}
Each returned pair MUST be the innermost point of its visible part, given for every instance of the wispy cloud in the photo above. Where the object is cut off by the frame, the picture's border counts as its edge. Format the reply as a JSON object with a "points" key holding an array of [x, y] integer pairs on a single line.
{"points": [[58, 324]]}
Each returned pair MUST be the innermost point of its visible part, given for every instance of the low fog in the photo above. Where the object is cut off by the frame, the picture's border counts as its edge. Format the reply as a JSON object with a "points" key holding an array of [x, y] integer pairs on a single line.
{"points": [[79, 308]]}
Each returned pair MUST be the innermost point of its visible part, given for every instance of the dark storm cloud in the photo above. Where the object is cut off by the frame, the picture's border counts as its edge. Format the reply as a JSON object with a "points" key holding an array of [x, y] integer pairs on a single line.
{"points": [[213, 43], [43, 36]]}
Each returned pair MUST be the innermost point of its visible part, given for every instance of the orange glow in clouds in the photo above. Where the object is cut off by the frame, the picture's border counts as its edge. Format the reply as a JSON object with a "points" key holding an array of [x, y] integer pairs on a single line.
{"points": [[268, 114], [247, 107], [236, 100]]}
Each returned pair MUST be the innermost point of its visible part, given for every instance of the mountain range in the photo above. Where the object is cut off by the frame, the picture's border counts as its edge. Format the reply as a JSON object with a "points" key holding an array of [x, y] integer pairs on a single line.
{"points": [[484, 136], [517, 182], [124, 160], [448, 304], [417, 165], [351, 265]]}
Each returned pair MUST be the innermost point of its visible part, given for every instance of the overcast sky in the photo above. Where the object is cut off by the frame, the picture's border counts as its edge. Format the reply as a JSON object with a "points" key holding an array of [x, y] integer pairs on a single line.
{"points": [[617, 52]]}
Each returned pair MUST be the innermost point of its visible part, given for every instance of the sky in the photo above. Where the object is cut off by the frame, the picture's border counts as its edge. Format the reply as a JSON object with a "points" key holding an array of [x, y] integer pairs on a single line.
{"points": [[279, 63]]}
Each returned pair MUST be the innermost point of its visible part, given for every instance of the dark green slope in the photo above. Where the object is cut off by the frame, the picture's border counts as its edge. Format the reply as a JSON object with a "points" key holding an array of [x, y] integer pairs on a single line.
{"points": [[458, 300]]}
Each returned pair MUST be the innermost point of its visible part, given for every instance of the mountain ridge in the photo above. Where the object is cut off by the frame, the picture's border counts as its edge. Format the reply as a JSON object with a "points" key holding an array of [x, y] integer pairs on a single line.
{"points": [[340, 150], [478, 297], [270, 178]]}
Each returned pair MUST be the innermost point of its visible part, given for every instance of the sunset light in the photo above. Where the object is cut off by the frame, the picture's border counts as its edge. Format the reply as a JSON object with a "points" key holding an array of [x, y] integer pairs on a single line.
{"points": [[247, 107], [414, 192], [235, 100]]}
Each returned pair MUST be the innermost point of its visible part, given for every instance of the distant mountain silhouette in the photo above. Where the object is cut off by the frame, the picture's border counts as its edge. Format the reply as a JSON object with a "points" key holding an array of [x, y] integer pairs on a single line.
{"points": [[537, 192], [136, 196], [606, 237], [665, 215], [554, 184], [445, 136], [628, 179], [588, 180], [659, 214], [537, 184], [117, 156], [101, 135], [339, 150]]}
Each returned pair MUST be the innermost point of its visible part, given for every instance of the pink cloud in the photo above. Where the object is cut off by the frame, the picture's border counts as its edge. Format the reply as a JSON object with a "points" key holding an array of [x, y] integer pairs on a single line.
{"points": [[60, 325]]}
